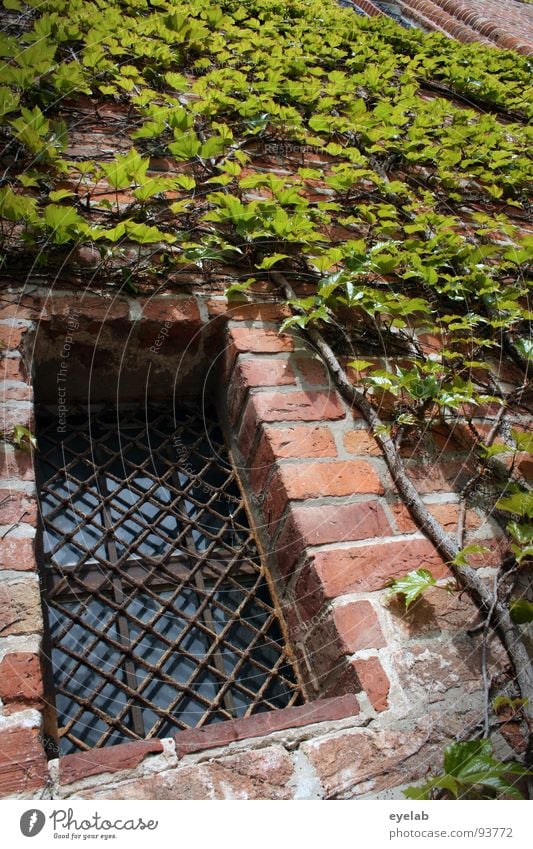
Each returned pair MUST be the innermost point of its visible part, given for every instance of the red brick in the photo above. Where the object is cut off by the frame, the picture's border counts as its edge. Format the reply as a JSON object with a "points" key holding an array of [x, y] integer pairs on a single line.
{"points": [[358, 626], [256, 373], [325, 653], [259, 341], [315, 525], [20, 680], [525, 466], [15, 463], [23, 765], [86, 307], [17, 507], [446, 514], [288, 442], [374, 682], [112, 759], [20, 607], [274, 502], [431, 668], [11, 335], [18, 553], [314, 371], [446, 476], [308, 480], [367, 568], [263, 724], [265, 372], [256, 774], [298, 406], [170, 309], [18, 310], [323, 524], [22, 392], [351, 762], [301, 441], [248, 311], [336, 478], [309, 593], [11, 416], [361, 442], [437, 610], [12, 368]]}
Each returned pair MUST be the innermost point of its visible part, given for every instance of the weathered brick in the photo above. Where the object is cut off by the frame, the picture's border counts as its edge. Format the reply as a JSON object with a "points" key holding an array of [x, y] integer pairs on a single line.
{"points": [[446, 514], [430, 669], [436, 610], [17, 507], [310, 480], [20, 607], [21, 392], [112, 759], [298, 406], [290, 406], [12, 368], [256, 373], [297, 441], [15, 463], [88, 307], [20, 680], [374, 681], [301, 441], [316, 525], [445, 476], [368, 567], [247, 311], [369, 755], [259, 341], [265, 372], [11, 334], [23, 765], [256, 774], [358, 626], [525, 466], [361, 442], [325, 651], [340, 477], [18, 553], [11, 415], [170, 309], [313, 371]]}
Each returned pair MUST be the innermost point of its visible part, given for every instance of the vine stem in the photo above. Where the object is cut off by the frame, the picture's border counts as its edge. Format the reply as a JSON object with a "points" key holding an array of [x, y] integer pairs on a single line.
{"points": [[466, 576]]}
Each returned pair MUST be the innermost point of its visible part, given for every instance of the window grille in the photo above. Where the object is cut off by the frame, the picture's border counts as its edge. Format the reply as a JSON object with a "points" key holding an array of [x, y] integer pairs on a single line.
{"points": [[159, 614]]}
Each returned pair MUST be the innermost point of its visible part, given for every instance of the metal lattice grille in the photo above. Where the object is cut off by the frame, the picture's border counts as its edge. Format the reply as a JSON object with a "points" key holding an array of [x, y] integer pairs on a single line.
{"points": [[159, 614]]}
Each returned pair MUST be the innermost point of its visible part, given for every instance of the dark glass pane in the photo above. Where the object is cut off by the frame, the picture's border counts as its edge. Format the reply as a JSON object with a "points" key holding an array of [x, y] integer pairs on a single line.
{"points": [[141, 514]]}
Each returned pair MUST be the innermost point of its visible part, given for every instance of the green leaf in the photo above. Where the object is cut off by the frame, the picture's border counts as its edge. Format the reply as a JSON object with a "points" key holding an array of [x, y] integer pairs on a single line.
{"points": [[521, 611], [461, 559], [412, 585], [269, 261], [186, 146], [23, 437], [520, 503], [60, 194]]}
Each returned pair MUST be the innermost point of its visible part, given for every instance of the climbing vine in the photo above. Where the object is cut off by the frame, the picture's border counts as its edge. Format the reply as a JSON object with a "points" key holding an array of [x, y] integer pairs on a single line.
{"points": [[377, 177]]}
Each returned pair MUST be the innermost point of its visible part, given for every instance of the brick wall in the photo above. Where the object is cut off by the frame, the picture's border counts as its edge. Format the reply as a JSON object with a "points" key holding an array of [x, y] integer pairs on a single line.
{"points": [[386, 690]]}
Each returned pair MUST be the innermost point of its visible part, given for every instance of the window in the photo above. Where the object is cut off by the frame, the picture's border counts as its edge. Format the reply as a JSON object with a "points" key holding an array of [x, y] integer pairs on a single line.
{"points": [[159, 614]]}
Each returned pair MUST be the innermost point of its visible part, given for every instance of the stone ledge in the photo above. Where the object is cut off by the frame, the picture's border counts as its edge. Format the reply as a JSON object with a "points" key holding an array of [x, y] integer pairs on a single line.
{"points": [[263, 724], [112, 759]]}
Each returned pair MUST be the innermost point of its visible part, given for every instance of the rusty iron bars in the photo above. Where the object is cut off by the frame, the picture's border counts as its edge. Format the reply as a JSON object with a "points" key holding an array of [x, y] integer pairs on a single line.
{"points": [[159, 614]]}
